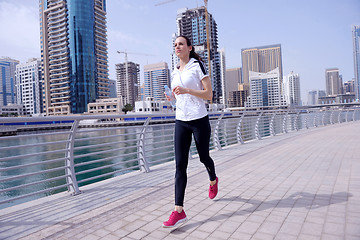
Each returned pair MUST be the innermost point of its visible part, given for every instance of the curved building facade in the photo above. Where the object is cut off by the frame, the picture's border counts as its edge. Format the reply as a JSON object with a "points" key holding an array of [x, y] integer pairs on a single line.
{"points": [[73, 54]]}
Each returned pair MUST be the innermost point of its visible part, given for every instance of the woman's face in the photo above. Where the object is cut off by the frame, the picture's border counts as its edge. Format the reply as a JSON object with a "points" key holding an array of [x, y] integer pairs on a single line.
{"points": [[182, 50]]}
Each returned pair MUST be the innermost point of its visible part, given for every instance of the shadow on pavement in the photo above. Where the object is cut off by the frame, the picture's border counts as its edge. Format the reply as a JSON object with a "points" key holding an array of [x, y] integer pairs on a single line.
{"points": [[297, 200]]}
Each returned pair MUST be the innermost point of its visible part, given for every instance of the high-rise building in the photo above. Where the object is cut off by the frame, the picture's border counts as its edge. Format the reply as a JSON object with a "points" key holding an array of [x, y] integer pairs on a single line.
{"points": [[262, 60], [356, 53], [73, 39], [349, 87], [174, 58], [112, 88], [156, 76], [142, 92], [312, 98], [291, 89], [128, 82], [314, 95], [192, 23], [265, 88], [28, 87], [7, 79], [224, 95], [232, 81], [334, 85]]}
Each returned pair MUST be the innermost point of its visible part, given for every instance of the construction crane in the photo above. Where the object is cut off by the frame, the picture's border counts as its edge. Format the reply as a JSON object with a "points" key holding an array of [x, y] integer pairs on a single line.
{"points": [[161, 3], [126, 67], [207, 30]]}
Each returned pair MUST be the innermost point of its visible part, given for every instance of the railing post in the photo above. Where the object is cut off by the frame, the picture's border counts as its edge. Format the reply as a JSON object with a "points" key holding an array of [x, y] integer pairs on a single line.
{"points": [[216, 133], [144, 166], [332, 117], [339, 117], [347, 115], [354, 115], [315, 125], [69, 162], [257, 133], [272, 130], [284, 123], [323, 118], [306, 119], [238, 130], [296, 121]]}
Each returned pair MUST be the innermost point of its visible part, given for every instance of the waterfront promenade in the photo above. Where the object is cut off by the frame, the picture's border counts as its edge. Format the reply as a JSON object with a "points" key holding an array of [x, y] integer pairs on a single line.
{"points": [[300, 185]]}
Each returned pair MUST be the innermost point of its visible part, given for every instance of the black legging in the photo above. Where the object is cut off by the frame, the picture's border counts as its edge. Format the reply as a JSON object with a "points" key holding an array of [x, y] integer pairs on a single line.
{"points": [[183, 131]]}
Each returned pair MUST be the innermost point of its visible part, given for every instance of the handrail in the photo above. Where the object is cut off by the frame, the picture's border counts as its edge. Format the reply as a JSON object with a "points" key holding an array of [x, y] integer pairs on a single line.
{"points": [[89, 152]]}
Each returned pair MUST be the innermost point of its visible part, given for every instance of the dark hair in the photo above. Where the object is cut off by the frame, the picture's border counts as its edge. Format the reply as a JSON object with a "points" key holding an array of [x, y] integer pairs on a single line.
{"points": [[193, 54]]}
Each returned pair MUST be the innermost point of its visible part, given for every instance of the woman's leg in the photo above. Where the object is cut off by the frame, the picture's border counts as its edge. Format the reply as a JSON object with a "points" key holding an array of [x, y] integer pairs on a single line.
{"points": [[182, 146], [202, 132]]}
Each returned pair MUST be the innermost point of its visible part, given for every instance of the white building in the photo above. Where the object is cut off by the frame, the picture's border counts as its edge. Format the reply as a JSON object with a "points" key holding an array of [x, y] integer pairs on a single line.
{"points": [[28, 86], [153, 106], [224, 94], [105, 106], [12, 110], [314, 95], [265, 88], [292, 89]]}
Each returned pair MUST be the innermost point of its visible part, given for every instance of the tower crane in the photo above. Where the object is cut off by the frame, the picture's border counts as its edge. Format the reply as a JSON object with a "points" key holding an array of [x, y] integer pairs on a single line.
{"points": [[126, 67], [207, 30]]}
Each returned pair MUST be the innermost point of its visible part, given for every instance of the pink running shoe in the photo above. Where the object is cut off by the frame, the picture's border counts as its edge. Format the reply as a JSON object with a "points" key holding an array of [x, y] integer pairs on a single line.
{"points": [[175, 219], [213, 190]]}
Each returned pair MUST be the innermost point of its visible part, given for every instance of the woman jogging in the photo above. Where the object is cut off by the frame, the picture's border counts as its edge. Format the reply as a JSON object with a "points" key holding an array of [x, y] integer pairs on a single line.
{"points": [[190, 85]]}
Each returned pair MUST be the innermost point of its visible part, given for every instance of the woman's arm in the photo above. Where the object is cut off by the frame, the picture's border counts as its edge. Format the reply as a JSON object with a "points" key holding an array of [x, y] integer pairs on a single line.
{"points": [[206, 93]]}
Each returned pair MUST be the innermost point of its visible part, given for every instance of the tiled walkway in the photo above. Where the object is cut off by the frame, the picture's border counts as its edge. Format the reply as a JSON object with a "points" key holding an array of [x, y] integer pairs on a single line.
{"points": [[301, 185]]}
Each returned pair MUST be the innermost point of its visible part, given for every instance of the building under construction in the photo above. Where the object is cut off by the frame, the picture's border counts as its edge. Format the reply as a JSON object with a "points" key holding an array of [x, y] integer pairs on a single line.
{"points": [[128, 82], [192, 23]]}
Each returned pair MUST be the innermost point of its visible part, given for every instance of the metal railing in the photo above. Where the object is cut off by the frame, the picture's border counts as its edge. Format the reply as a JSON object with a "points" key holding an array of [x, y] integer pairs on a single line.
{"points": [[68, 152]]}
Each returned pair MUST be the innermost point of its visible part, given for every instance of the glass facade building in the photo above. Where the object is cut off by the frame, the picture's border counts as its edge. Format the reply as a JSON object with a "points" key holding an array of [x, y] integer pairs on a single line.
{"points": [[74, 54], [7, 81], [156, 76]]}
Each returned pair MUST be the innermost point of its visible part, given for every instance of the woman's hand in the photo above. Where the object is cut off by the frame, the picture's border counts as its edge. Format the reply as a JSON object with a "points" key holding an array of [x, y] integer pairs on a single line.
{"points": [[205, 93], [181, 90], [168, 97]]}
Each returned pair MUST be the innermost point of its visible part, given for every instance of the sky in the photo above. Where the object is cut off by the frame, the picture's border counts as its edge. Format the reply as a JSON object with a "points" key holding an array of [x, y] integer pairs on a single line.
{"points": [[314, 34]]}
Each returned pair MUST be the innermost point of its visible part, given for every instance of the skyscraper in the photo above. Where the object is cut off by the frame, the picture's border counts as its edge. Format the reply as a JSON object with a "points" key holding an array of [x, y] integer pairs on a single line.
{"points": [[232, 82], [73, 40], [261, 59], [356, 52], [349, 87], [292, 89], [28, 76], [192, 23], [128, 86], [265, 88], [334, 85], [224, 94], [7, 81], [156, 76]]}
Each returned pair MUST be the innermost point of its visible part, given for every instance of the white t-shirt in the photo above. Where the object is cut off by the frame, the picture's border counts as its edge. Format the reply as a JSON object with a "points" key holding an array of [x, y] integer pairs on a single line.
{"points": [[189, 107]]}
